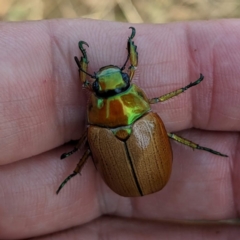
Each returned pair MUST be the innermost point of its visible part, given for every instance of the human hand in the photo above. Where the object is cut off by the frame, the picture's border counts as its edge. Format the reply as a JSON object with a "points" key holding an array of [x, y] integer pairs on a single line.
{"points": [[42, 106]]}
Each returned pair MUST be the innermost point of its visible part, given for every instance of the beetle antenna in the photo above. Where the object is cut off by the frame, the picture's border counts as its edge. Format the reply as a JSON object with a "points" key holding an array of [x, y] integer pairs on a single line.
{"points": [[77, 62], [124, 65], [80, 69]]}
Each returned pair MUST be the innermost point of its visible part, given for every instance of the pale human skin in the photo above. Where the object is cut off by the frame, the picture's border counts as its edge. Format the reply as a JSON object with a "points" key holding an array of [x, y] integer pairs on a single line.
{"points": [[42, 106]]}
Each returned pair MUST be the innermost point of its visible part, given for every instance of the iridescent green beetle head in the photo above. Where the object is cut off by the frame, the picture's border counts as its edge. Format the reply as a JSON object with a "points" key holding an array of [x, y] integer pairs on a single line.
{"points": [[110, 80]]}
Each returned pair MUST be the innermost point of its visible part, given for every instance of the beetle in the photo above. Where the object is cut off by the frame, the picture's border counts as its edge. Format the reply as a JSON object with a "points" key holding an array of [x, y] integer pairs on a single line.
{"points": [[128, 142]]}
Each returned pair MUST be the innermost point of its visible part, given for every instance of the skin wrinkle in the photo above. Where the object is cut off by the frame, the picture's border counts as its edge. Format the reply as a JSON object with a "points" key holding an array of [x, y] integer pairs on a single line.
{"points": [[69, 64], [214, 73], [102, 198], [53, 91], [192, 61], [212, 87], [23, 130], [234, 192]]}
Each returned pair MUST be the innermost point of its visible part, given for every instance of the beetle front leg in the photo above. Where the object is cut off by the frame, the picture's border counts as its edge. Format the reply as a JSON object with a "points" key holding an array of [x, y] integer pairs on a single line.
{"points": [[193, 145], [176, 92], [77, 170], [132, 54], [83, 65], [76, 148]]}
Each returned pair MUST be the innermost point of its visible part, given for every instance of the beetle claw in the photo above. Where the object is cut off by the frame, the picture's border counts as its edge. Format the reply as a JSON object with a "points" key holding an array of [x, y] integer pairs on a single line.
{"points": [[82, 49], [65, 155], [65, 181], [81, 43], [133, 33]]}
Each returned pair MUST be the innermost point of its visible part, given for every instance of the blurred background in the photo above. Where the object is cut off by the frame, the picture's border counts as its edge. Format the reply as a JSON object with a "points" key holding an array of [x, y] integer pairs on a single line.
{"points": [[135, 11]]}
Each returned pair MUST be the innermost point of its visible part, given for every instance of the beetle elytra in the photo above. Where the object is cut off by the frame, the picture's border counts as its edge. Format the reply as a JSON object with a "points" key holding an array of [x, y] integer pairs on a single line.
{"points": [[128, 142]]}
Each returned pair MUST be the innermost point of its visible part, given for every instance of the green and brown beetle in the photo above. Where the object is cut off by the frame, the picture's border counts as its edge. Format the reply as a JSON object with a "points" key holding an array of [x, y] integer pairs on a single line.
{"points": [[128, 142]]}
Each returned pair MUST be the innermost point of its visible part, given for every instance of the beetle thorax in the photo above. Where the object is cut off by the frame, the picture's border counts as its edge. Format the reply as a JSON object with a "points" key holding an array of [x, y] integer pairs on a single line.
{"points": [[118, 110]]}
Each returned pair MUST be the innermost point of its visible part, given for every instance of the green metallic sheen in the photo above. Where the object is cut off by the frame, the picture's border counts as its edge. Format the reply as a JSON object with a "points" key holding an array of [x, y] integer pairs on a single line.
{"points": [[119, 110], [128, 129], [110, 78]]}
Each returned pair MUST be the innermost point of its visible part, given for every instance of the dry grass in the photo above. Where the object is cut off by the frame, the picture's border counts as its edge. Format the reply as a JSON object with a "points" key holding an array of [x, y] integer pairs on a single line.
{"points": [[135, 11]]}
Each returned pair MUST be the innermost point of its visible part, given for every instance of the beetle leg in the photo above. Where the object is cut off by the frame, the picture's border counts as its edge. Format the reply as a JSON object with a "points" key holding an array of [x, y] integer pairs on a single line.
{"points": [[176, 92], [76, 148], [193, 145], [77, 170], [132, 54], [83, 65]]}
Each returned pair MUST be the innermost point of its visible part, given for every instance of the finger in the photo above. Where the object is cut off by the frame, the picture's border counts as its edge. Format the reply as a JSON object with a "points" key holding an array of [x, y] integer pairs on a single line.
{"points": [[125, 228], [190, 50], [201, 185], [28, 196], [198, 183], [42, 102]]}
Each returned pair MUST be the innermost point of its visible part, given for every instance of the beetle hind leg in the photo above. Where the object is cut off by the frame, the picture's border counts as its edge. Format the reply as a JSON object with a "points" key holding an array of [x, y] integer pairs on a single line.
{"points": [[167, 96], [193, 145], [132, 55], [77, 147], [77, 170]]}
